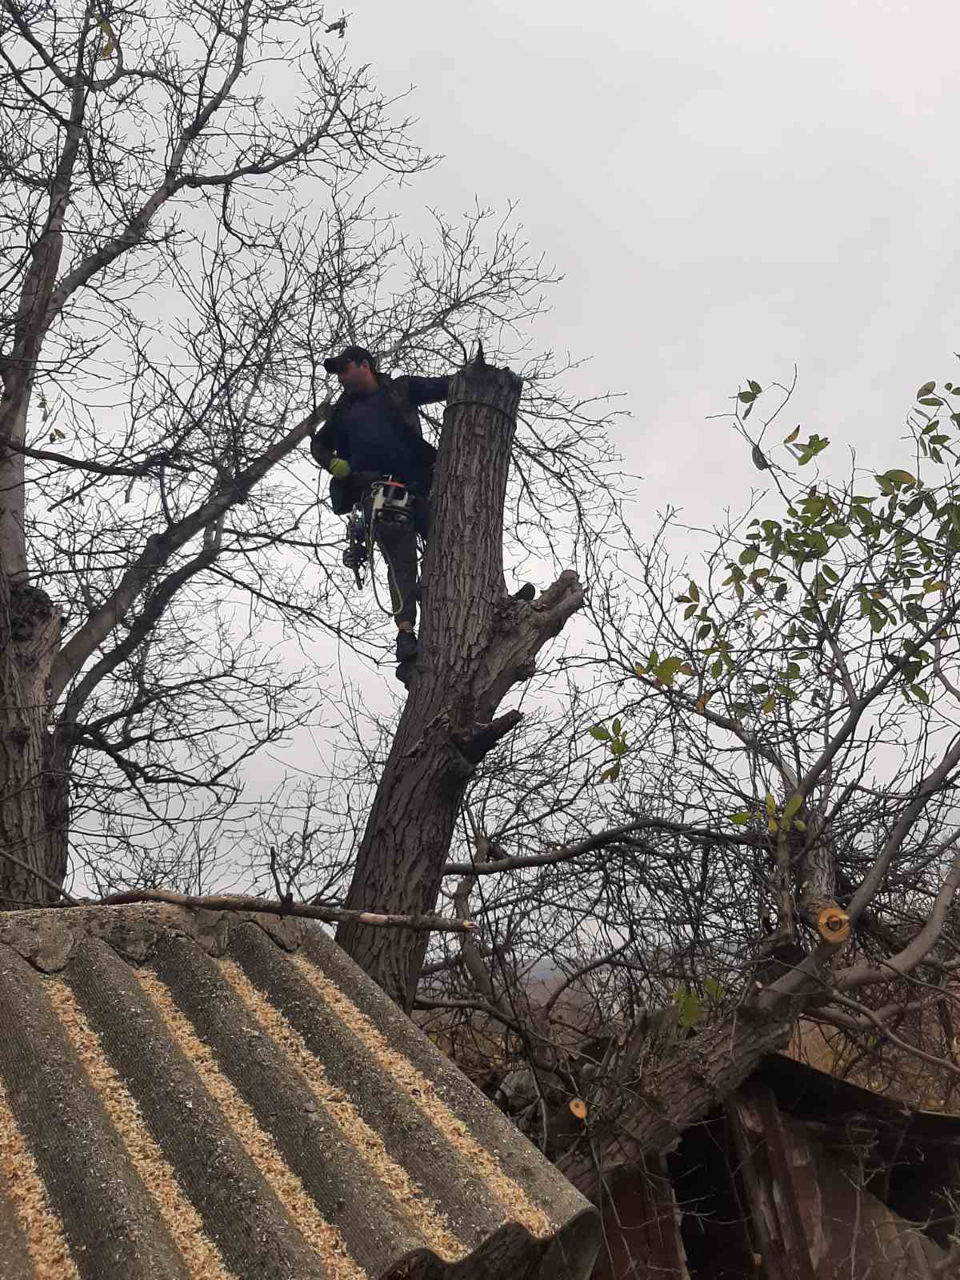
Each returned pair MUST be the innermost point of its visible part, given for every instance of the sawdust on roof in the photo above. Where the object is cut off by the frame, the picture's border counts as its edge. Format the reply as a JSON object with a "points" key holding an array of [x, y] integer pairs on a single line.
{"points": [[176, 1212], [427, 1218], [516, 1204], [322, 1237], [45, 1242]]}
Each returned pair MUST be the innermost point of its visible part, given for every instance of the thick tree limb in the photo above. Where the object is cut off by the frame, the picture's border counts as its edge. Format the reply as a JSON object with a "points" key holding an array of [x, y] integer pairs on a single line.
{"points": [[329, 915], [474, 743], [143, 625], [907, 959], [158, 550], [928, 787]]}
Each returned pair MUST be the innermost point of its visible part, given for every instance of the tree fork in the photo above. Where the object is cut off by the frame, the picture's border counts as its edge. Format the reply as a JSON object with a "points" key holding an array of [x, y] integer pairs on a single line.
{"points": [[475, 643]]}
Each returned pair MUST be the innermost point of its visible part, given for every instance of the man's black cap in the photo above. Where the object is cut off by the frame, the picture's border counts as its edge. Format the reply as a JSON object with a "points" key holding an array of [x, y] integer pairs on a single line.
{"points": [[335, 363]]}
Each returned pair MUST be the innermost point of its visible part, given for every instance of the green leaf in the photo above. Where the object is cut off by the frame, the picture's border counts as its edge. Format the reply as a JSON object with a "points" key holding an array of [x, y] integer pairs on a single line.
{"points": [[747, 397], [617, 727], [926, 389], [689, 1008], [770, 705], [667, 670], [713, 988], [920, 694], [793, 805], [896, 477], [742, 818], [755, 387], [933, 401], [600, 733]]}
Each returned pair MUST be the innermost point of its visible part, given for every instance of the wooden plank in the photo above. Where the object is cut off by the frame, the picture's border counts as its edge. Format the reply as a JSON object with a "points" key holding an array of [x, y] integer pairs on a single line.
{"points": [[756, 1171], [641, 1229]]}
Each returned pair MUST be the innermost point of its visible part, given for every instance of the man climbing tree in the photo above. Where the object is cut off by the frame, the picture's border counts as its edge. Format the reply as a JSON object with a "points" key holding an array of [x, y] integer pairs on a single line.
{"points": [[477, 642], [372, 434], [164, 309]]}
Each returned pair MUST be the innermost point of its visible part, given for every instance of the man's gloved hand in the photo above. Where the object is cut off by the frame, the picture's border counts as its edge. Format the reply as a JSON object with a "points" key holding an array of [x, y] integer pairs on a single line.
{"points": [[339, 468]]}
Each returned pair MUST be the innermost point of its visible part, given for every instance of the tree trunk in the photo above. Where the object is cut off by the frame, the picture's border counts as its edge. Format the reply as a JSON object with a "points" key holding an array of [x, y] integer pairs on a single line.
{"points": [[33, 804], [635, 1119], [13, 415], [475, 643]]}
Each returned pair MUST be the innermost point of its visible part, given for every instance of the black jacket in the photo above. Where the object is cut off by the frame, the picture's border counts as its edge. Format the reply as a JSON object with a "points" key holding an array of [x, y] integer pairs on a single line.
{"points": [[394, 422]]}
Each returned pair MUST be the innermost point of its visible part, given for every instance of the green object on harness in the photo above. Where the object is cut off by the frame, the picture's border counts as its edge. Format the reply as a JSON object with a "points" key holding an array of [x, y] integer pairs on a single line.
{"points": [[339, 468]]}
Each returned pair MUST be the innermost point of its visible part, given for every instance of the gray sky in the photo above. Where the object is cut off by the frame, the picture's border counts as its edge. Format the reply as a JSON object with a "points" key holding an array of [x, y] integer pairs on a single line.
{"points": [[728, 188]]}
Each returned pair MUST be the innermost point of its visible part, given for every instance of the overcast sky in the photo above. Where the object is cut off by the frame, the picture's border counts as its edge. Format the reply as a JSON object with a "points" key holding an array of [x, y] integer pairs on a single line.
{"points": [[729, 189]]}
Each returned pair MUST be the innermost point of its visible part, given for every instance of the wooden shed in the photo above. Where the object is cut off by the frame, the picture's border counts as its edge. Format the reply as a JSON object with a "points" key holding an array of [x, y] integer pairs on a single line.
{"points": [[800, 1176]]}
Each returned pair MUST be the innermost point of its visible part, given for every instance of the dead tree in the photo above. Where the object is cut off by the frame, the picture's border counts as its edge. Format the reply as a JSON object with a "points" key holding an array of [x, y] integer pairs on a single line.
{"points": [[476, 642]]}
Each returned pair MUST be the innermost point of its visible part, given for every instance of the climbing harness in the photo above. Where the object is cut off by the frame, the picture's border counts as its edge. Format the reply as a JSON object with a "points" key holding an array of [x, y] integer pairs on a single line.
{"points": [[391, 503]]}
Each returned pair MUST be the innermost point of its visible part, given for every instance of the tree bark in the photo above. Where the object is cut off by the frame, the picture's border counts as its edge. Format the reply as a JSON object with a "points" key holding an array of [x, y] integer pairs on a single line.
{"points": [[632, 1120], [475, 643], [33, 794]]}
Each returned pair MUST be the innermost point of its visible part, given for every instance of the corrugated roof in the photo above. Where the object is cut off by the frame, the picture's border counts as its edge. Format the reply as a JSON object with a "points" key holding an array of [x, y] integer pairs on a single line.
{"points": [[195, 1094]]}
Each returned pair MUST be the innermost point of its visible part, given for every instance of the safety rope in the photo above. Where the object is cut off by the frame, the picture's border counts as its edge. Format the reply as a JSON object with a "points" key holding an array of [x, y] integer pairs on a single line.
{"points": [[391, 572], [391, 575], [511, 417]]}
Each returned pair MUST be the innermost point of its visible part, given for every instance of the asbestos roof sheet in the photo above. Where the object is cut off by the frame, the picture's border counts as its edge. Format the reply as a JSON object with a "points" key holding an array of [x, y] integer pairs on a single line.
{"points": [[193, 1094]]}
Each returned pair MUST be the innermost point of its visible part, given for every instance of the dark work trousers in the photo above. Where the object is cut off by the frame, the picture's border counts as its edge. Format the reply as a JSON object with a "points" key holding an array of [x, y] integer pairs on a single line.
{"points": [[397, 543]]}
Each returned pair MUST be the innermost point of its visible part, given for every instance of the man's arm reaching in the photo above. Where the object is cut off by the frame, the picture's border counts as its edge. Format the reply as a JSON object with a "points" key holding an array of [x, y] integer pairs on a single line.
{"points": [[427, 390]]}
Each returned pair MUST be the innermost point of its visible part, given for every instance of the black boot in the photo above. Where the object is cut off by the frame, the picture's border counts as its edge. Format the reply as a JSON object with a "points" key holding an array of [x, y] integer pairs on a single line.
{"points": [[407, 646]]}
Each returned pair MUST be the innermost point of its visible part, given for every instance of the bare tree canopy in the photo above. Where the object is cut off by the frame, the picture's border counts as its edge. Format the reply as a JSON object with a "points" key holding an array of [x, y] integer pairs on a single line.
{"points": [[192, 217]]}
